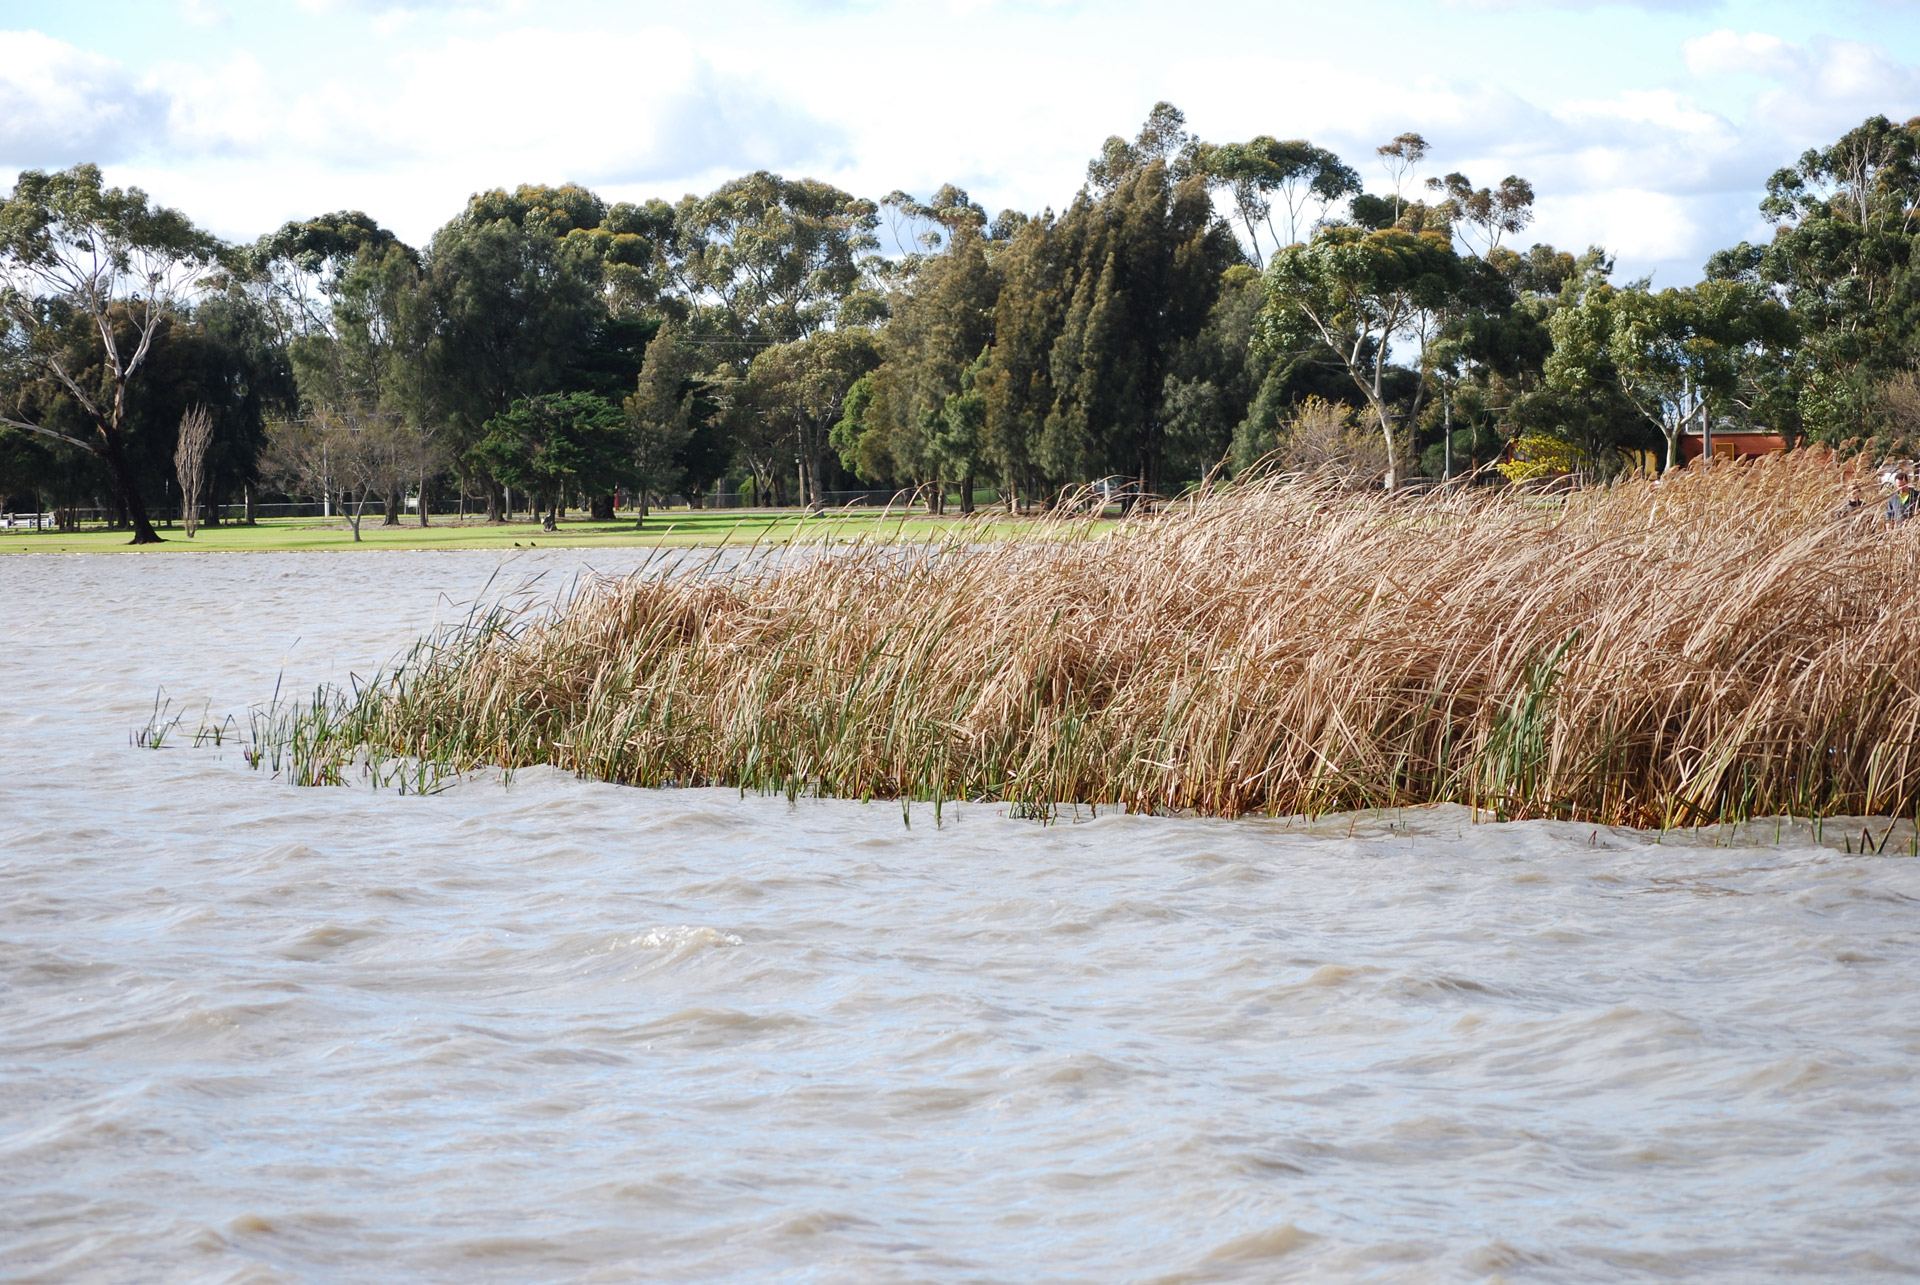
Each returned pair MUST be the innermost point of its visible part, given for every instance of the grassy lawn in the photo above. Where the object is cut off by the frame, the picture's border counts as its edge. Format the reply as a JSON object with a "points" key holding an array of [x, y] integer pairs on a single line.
{"points": [[670, 528]]}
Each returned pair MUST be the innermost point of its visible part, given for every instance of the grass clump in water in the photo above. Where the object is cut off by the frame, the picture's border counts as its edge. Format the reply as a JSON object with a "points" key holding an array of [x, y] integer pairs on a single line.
{"points": [[1706, 650]]}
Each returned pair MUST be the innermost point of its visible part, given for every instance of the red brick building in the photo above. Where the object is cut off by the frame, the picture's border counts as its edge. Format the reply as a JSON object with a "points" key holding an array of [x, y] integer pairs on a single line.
{"points": [[1734, 444]]}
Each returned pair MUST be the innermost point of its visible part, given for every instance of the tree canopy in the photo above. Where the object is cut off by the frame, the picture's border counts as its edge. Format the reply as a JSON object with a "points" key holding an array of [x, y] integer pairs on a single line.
{"points": [[1194, 305]]}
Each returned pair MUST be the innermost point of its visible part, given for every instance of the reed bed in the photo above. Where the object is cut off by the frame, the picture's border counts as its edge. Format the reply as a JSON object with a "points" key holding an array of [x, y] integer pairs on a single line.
{"points": [[1713, 648]]}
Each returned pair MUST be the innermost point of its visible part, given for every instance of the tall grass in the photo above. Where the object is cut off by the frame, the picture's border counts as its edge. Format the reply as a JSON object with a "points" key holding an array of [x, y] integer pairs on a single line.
{"points": [[1712, 648]]}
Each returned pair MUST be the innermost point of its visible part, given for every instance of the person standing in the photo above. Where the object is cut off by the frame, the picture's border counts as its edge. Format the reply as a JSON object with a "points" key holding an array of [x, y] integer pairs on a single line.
{"points": [[1856, 506], [1904, 502]]}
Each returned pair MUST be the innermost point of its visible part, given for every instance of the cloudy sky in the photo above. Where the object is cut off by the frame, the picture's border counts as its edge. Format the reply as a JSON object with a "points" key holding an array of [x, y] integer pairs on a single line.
{"points": [[1647, 127]]}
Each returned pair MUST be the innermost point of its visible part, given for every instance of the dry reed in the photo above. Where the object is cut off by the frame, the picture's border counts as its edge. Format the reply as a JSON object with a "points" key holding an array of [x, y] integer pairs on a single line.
{"points": [[1717, 647]]}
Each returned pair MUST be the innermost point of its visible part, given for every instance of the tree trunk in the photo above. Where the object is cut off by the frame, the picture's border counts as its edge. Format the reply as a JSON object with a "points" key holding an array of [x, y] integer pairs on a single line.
{"points": [[1393, 452], [810, 479], [423, 497], [603, 508], [126, 489], [393, 501], [493, 503], [966, 495]]}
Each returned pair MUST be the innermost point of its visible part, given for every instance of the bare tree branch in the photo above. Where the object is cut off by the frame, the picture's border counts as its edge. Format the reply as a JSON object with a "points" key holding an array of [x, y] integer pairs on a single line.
{"points": [[43, 431]]}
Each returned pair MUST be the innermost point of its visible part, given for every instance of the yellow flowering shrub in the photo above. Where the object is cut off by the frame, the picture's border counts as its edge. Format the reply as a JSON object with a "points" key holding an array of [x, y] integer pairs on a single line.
{"points": [[1536, 455]]}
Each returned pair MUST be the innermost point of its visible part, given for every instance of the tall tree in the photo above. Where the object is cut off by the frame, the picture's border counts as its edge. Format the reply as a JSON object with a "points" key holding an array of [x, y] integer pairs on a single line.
{"points": [[801, 388], [1094, 308], [661, 413], [765, 259], [1677, 355], [1842, 257], [1163, 137], [1354, 293], [940, 320], [553, 443], [1299, 173], [1480, 218], [1400, 157], [74, 251], [517, 286], [1036, 274]]}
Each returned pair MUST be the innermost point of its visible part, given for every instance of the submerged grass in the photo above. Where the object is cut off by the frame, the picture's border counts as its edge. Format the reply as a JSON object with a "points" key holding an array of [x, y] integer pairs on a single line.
{"points": [[1713, 648]]}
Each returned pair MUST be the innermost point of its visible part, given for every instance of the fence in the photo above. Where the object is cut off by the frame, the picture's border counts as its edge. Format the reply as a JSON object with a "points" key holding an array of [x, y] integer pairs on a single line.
{"points": [[896, 499]]}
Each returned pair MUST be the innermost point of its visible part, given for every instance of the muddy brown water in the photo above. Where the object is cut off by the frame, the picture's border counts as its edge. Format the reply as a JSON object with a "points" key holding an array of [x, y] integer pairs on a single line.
{"points": [[558, 1030]]}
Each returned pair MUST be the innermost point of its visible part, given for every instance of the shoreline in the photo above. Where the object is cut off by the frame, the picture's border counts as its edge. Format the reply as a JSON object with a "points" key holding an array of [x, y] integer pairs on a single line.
{"points": [[680, 529]]}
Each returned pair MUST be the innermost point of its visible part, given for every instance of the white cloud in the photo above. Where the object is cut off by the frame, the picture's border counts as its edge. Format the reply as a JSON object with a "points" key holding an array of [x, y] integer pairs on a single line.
{"points": [[1812, 93], [440, 98], [231, 109], [1726, 53], [631, 108], [413, 6], [59, 104], [1523, 6], [1638, 226], [436, 125], [203, 13]]}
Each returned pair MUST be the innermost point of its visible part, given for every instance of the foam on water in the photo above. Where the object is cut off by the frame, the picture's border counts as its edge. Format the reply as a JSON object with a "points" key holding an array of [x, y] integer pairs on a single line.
{"points": [[564, 1030]]}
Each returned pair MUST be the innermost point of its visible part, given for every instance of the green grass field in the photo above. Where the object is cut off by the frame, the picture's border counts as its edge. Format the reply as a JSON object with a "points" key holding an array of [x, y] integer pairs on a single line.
{"points": [[664, 527]]}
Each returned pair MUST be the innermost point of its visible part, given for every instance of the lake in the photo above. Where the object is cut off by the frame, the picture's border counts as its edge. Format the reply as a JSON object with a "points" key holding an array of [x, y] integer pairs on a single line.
{"points": [[557, 1030]]}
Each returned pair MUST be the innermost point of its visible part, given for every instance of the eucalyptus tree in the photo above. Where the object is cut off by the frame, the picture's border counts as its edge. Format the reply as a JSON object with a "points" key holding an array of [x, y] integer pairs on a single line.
{"points": [[1675, 355], [298, 267], [90, 276], [516, 284], [940, 320], [800, 387], [636, 246], [1163, 137], [1847, 220], [766, 259], [1354, 292], [1466, 333], [517, 297], [1481, 217], [930, 225], [1485, 359], [352, 305], [1400, 157], [1299, 173], [661, 415]]}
